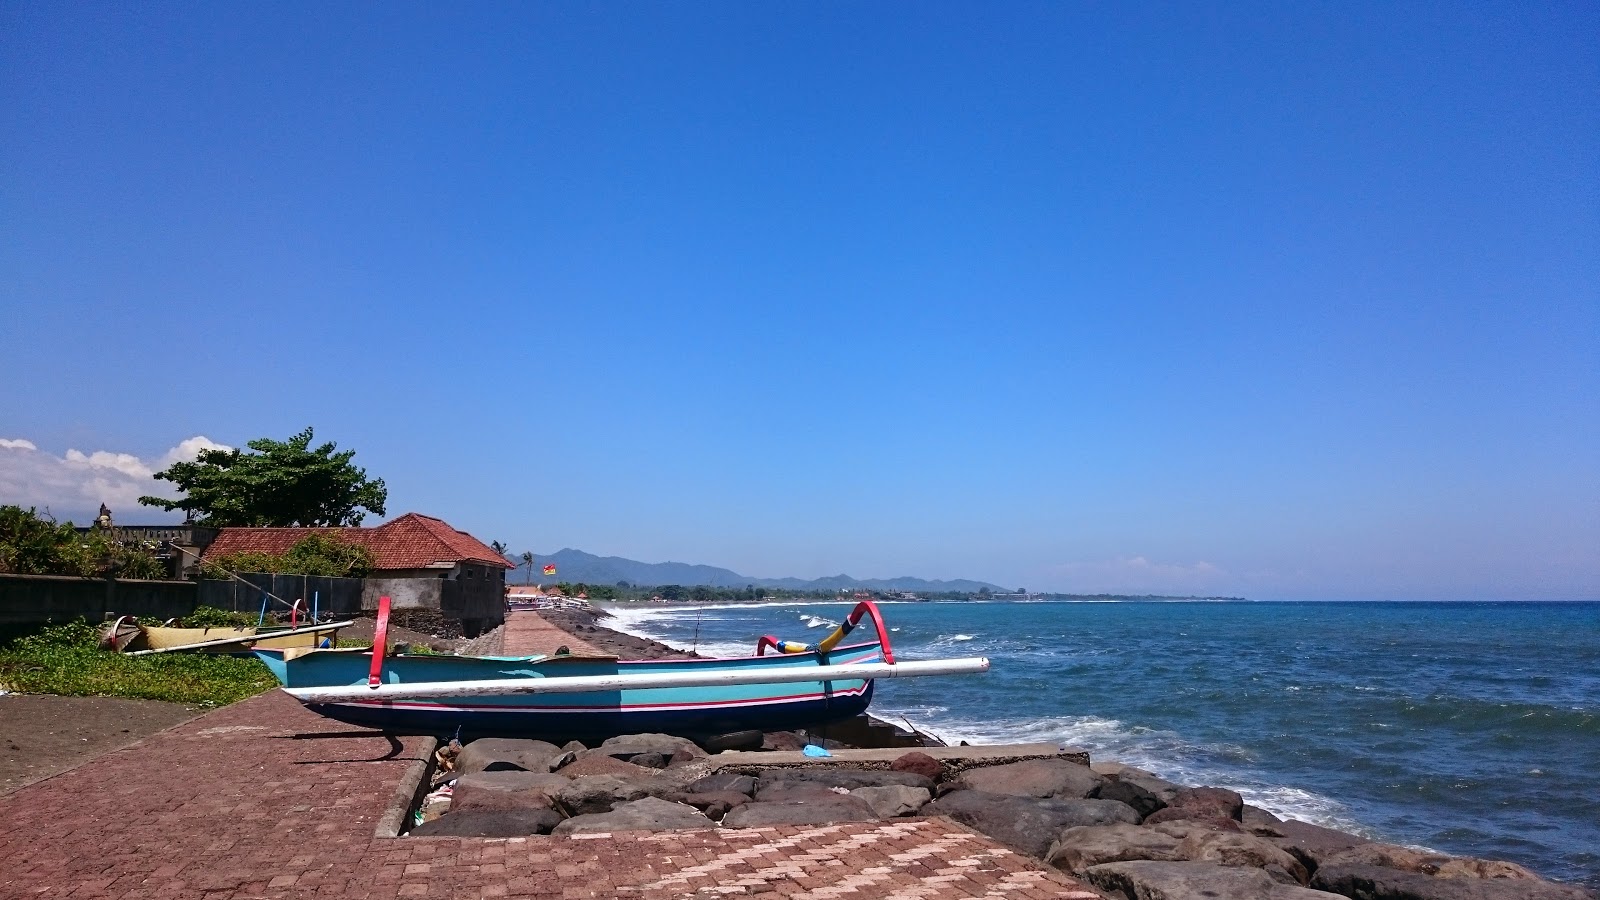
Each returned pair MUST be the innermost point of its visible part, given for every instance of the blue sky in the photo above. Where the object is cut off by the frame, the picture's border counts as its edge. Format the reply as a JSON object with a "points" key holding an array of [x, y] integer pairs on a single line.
{"points": [[1278, 300]]}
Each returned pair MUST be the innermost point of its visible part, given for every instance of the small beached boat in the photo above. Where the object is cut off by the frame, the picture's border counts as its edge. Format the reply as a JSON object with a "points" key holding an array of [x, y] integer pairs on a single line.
{"points": [[126, 635], [568, 696]]}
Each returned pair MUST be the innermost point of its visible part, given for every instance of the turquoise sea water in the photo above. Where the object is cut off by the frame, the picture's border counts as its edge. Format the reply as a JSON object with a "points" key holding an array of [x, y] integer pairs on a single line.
{"points": [[1469, 728]]}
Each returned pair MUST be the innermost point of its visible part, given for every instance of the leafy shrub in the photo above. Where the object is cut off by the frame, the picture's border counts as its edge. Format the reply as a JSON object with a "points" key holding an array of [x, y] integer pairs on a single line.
{"points": [[64, 659], [314, 554]]}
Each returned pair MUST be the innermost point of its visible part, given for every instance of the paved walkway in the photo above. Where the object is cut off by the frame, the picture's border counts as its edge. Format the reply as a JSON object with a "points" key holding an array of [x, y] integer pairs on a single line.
{"points": [[263, 799]]}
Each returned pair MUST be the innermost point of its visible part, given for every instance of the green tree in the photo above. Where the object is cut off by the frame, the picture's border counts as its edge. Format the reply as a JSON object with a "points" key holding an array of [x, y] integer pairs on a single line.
{"points": [[283, 483]]}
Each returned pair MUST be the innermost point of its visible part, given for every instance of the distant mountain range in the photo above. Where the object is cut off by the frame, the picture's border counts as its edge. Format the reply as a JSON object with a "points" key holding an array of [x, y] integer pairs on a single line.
{"points": [[575, 565]]}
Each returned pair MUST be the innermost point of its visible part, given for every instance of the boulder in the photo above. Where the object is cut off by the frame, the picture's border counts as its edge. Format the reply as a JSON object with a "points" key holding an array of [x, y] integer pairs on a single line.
{"points": [[1368, 882], [573, 747], [1027, 824], [501, 754], [1259, 822], [506, 790], [783, 740], [1389, 856], [715, 804], [1143, 801], [489, 823], [646, 814], [918, 763], [655, 760], [733, 740], [1152, 880], [1083, 846], [723, 781], [1036, 778], [840, 808], [1405, 859], [630, 745], [592, 762], [893, 800], [1200, 803], [1244, 851], [599, 793], [681, 757], [1159, 787], [1312, 844], [849, 779], [787, 791]]}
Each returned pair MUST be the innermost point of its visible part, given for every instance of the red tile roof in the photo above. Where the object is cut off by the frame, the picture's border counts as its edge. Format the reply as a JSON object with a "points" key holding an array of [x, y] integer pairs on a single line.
{"points": [[413, 541]]}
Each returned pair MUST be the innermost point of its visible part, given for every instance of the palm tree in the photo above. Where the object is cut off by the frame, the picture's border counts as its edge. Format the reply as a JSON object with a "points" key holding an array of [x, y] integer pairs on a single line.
{"points": [[527, 557]]}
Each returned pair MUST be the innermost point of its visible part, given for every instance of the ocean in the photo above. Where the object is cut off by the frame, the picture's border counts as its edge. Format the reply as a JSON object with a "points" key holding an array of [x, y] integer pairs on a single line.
{"points": [[1466, 728]]}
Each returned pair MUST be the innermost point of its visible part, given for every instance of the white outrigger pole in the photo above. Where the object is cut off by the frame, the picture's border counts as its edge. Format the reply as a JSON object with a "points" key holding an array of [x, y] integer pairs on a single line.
{"points": [[576, 684]]}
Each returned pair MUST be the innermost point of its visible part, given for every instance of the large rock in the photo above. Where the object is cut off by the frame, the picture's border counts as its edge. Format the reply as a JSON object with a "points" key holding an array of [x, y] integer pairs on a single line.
{"points": [[1244, 851], [600, 793], [1083, 846], [501, 754], [1200, 803], [715, 804], [1142, 799], [723, 781], [893, 800], [506, 790], [918, 763], [849, 779], [1149, 880], [1313, 844], [733, 740], [1368, 882], [630, 745], [790, 791], [594, 762], [1036, 778], [840, 808], [647, 814], [1259, 822], [1157, 786], [1027, 824], [489, 823]]}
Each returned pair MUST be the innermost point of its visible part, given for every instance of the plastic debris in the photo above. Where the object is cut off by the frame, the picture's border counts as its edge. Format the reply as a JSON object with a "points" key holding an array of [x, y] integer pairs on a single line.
{"points": [[814, 750]]}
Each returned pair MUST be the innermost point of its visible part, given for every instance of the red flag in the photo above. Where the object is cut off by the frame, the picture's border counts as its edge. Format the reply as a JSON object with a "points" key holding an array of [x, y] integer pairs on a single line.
{"points": [[550, 569]]}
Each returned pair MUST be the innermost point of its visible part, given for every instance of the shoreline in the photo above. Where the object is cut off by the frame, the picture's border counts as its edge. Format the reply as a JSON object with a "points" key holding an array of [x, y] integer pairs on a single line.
{"points": [[603, 618]]}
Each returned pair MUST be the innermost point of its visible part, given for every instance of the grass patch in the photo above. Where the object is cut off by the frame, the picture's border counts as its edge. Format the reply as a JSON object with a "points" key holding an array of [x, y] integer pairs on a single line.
{"points": [[63, 659]]}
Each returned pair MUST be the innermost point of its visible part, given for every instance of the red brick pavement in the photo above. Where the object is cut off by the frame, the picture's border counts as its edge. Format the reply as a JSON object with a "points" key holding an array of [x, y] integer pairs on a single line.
{"points": [[528, 633], [264, 799]]}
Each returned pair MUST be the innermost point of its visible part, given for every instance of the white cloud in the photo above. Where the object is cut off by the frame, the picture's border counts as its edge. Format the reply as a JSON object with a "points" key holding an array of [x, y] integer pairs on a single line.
{"points": [[1138, 575], [74, 485]]}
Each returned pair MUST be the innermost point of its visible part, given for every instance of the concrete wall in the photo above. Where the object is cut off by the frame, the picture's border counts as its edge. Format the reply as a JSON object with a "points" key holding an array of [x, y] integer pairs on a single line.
{"points": [[478, 602], [36, 599], [334, 596], [403, 593]]}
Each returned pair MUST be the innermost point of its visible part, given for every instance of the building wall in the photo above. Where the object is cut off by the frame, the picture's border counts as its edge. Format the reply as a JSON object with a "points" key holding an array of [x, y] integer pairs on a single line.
{"points": [[471, 593]]}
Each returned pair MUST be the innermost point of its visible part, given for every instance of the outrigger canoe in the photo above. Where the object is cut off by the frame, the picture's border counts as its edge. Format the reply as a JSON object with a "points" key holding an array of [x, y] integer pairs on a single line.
{"points": [[568, 696], [126, 635]]}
